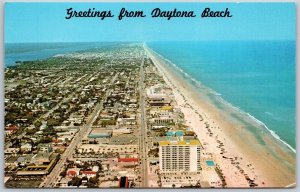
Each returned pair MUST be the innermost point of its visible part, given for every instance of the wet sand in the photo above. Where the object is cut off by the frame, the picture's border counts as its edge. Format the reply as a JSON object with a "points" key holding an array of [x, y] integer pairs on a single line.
{"points": [[247, 154]]}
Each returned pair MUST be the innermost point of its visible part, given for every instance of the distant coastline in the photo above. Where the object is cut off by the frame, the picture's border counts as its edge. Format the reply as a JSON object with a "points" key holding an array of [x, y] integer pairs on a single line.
{"points": [[34, 51]]}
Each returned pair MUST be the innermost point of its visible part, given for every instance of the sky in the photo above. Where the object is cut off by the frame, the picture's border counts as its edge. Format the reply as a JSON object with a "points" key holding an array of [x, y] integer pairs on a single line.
{"points": [[45, 22]]}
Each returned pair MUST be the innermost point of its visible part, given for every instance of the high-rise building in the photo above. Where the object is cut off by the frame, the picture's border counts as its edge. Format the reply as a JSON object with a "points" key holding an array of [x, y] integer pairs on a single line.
{"points": [[179, 155], [123, 182]]}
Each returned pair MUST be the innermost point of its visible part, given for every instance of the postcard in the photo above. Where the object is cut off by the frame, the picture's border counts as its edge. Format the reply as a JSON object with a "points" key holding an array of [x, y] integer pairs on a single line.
{"points": [[150, 95]]}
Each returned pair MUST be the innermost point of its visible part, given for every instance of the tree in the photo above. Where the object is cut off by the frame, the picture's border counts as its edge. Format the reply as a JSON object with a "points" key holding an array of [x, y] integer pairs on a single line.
{"points": [[37, 124], [63, 173], [45, 140], [10, 117], [31, 131], [86, 165], [93, 180], [49, 131], [76, 181], [53, 122]]}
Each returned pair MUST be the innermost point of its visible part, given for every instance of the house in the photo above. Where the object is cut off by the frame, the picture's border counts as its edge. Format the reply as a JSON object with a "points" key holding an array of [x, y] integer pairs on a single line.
{"points": [[64, 139], [95, 168], [88, 174], [42, 158], [26, 148], [73, 172], [23, 160], [11, 150], [45, 148], [10, 129], [127, 121], [43, 126]]}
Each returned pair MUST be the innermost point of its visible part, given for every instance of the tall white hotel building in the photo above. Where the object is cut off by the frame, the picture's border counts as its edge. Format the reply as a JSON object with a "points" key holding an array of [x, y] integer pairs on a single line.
{"points": [[182, 155]]}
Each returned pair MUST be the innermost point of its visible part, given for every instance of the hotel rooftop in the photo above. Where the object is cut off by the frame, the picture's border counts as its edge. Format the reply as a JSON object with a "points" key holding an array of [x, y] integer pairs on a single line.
{"points": [[180, 143]]}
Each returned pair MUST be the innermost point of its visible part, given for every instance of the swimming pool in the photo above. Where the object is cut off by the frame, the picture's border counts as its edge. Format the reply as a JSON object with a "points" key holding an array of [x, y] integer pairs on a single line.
{"points": [[210, 163]]}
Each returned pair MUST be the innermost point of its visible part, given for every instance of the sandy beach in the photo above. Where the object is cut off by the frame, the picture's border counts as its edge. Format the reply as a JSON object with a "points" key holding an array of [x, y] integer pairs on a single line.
{"points": [[242, 156]]}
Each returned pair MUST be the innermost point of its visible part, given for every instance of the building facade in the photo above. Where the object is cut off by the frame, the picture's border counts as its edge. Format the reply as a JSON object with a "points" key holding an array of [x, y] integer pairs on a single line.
{"points": [[182, 155]]}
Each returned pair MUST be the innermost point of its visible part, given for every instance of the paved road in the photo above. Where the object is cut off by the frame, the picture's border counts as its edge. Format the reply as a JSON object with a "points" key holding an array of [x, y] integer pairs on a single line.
{"points": [[143, 131], [52, 178]]}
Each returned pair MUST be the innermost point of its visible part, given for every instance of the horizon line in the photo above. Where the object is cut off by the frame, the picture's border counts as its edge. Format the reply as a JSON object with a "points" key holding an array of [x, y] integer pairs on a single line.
{"points": [[141, 41]]}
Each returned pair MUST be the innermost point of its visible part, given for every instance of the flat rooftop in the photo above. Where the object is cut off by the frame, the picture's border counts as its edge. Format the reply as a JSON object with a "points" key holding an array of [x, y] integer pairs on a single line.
{"points": [[193, 142], [97, 131]]}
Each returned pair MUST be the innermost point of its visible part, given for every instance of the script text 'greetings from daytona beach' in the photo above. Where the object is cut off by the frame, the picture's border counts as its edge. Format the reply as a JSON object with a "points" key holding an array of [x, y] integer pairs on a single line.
{"points": [[155, 13]]}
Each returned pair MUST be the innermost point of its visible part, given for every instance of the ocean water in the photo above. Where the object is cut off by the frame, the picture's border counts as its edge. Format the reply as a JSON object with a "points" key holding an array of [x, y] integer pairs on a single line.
{"points": [[257, 77]]}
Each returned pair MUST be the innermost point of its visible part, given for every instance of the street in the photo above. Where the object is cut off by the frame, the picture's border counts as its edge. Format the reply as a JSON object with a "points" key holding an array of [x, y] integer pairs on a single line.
{"points": [[143, 131], [51, 179]]}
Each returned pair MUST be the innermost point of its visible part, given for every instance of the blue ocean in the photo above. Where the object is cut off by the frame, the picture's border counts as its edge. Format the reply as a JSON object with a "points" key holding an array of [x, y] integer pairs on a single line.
{"points": [[258, 77]]}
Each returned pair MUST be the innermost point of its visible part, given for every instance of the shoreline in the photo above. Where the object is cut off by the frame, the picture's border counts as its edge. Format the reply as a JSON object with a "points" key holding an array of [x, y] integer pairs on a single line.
{"points": [[261, 161], [226, 103]]}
